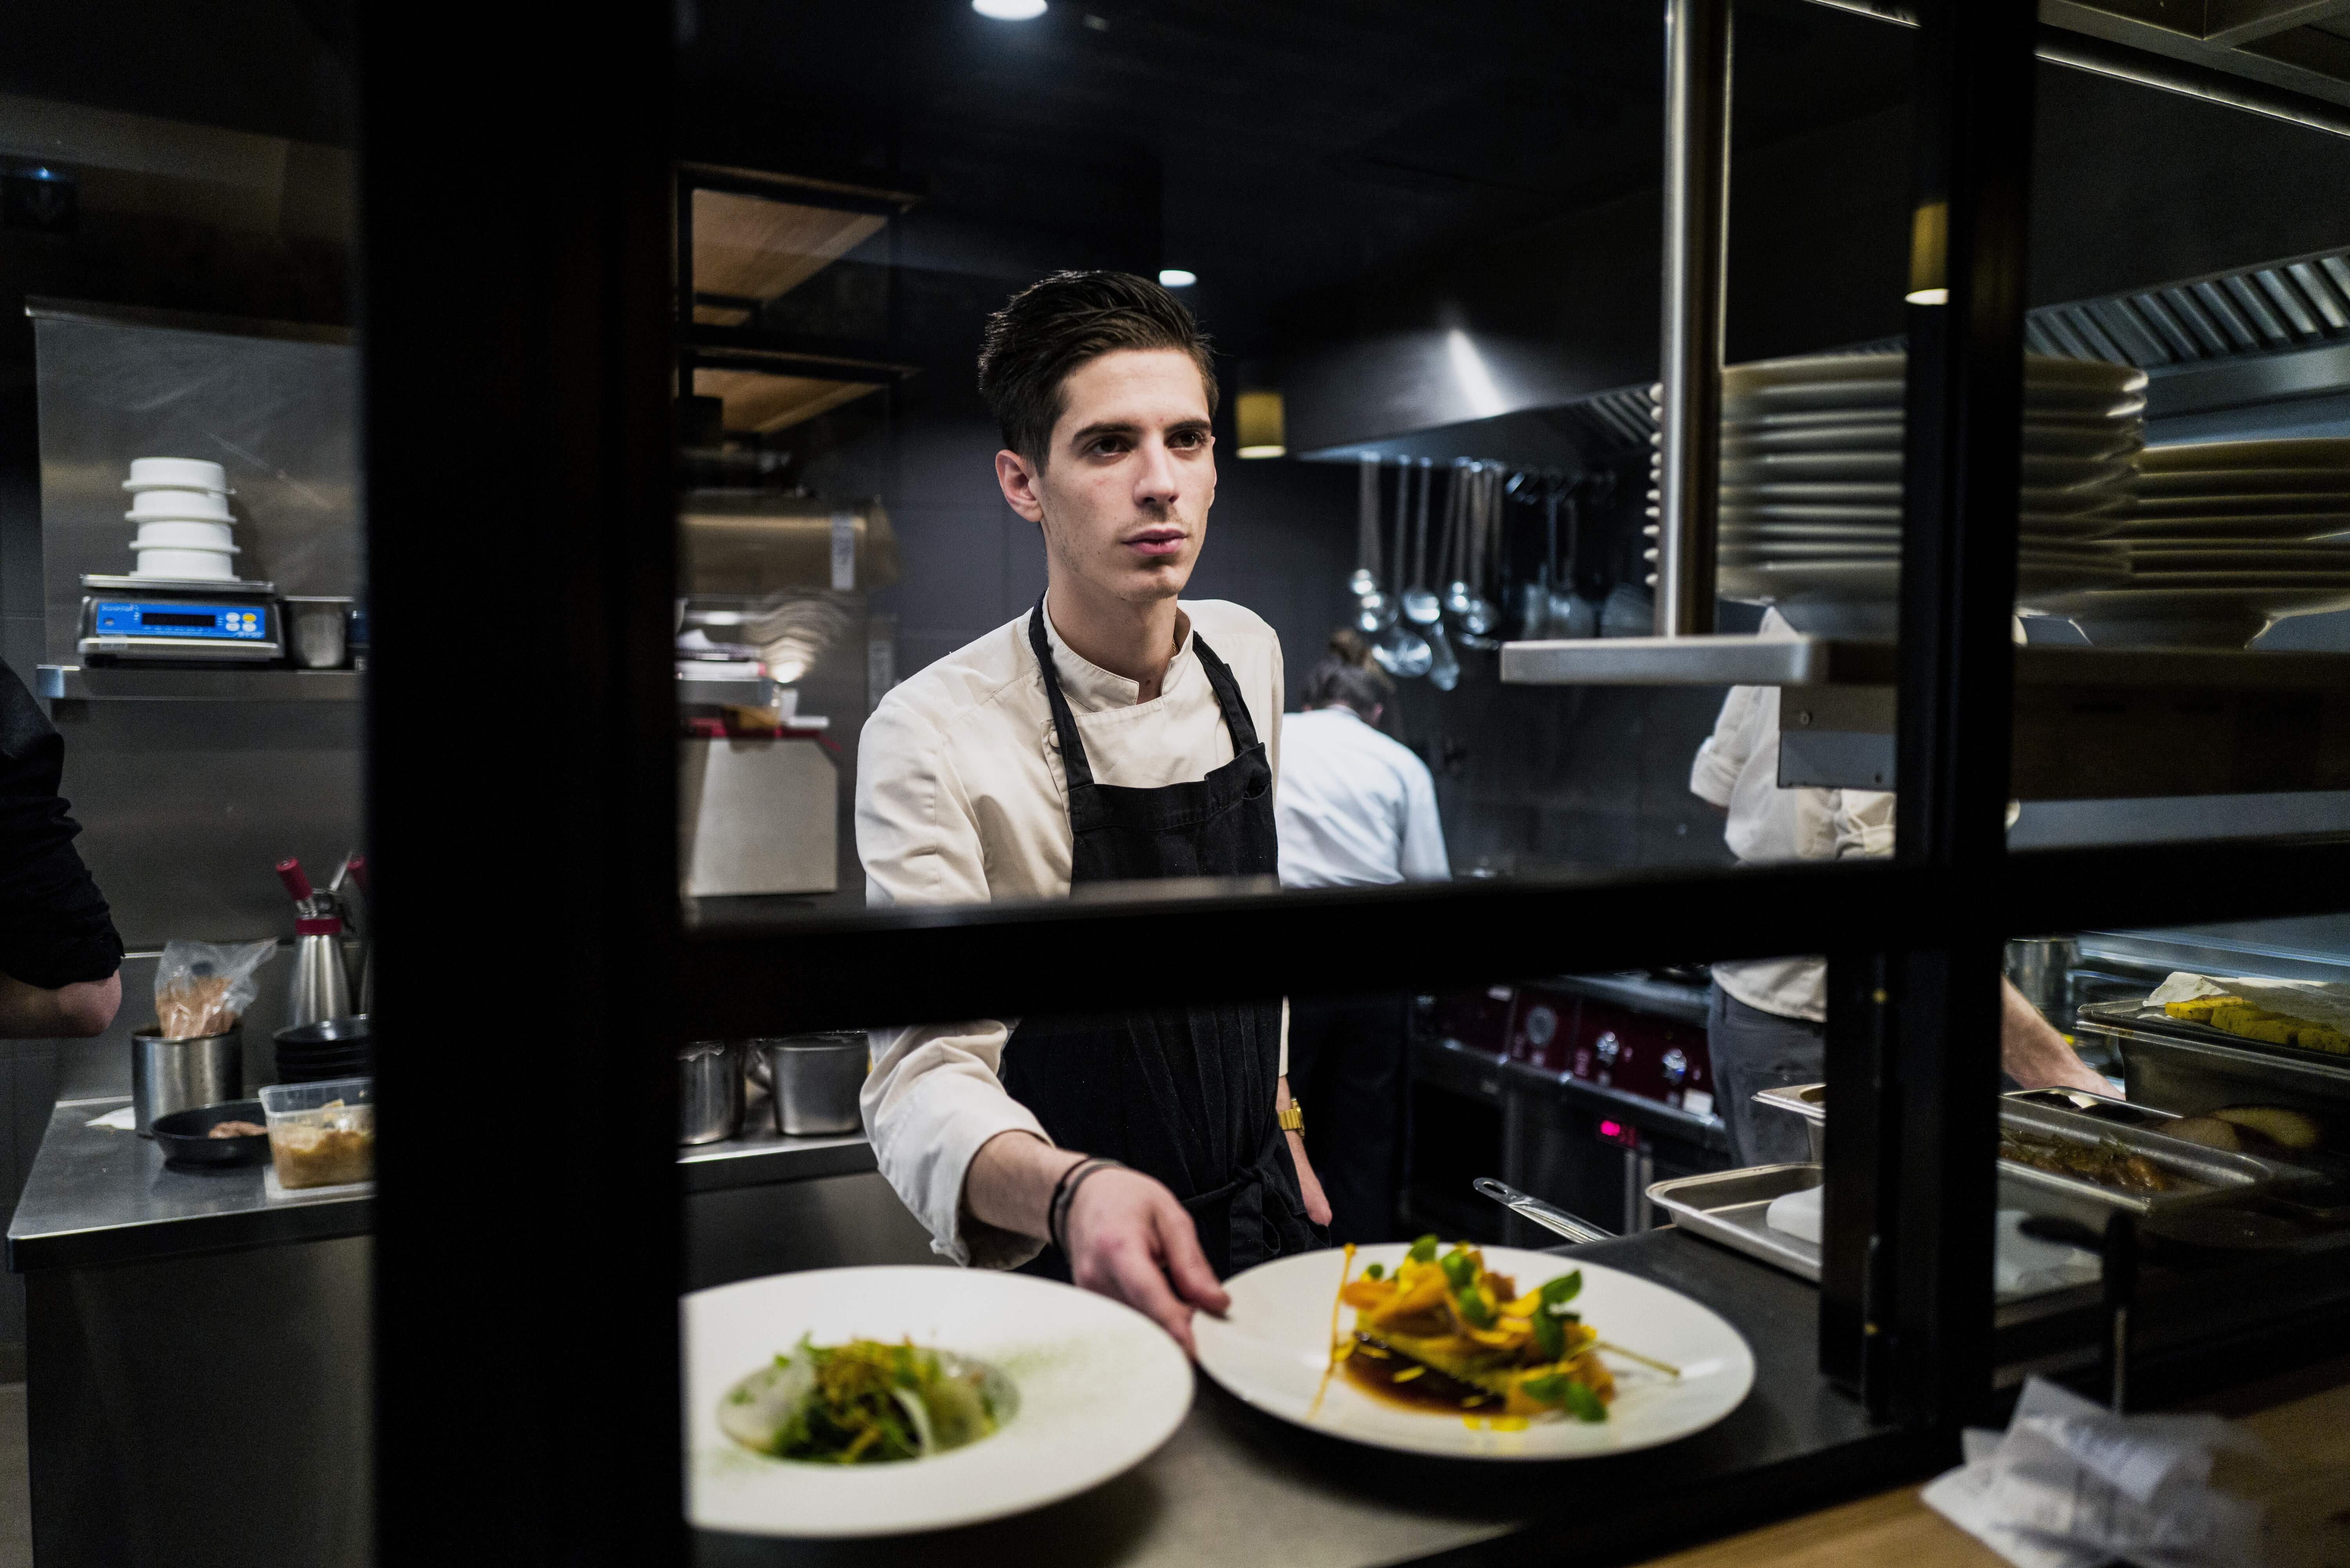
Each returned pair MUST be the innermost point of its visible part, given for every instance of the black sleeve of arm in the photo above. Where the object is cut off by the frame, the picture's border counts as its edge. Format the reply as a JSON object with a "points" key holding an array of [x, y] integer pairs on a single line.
{"points": [[55, 928]]}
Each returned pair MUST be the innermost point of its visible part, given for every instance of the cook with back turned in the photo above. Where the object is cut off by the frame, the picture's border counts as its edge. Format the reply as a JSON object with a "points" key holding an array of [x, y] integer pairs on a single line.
{"points": [[1112, 732]]}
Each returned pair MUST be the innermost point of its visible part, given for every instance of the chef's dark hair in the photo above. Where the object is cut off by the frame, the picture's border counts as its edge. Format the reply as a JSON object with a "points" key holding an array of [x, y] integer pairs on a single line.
{"points": [[1347, 675], [1056, 324]]}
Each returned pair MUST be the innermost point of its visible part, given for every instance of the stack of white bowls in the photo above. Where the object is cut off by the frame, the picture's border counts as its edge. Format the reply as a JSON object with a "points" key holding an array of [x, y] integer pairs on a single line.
{"points": [[2229, 537], [185, 530], [1811, 482]]}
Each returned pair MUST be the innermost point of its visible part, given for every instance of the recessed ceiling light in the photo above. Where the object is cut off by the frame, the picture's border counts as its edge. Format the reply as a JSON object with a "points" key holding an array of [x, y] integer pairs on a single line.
{"points": [[1172, 276], [1009, 10]]}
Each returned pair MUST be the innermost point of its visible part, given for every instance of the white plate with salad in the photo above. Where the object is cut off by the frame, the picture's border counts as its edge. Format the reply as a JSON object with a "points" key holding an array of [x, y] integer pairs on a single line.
{"points": [[881, 1401], [1474, 1352]]}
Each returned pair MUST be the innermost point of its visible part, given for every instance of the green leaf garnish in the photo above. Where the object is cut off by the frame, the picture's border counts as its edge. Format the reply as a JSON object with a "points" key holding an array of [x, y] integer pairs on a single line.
{"points": [[1585, 1405], [1561, 1290]]}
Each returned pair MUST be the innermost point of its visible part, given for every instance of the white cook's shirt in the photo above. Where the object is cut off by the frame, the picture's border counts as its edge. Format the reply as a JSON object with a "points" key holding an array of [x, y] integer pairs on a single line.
{"points": [[960, 799], [1357, 809], [1738, 767]]}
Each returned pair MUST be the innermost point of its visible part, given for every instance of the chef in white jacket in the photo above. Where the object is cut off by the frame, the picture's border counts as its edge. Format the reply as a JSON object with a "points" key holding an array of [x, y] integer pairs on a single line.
{"points": [[1357, 809], [1114, 732], [1766, 1027]]}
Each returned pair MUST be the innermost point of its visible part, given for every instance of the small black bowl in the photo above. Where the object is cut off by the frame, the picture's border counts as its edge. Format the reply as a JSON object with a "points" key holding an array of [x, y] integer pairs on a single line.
{"points": [[353, 1031], [183, 1137]]}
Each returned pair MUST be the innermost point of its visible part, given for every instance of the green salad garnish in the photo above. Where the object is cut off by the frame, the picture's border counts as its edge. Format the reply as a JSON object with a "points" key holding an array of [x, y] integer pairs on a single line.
{"points": [[865, 1402]]}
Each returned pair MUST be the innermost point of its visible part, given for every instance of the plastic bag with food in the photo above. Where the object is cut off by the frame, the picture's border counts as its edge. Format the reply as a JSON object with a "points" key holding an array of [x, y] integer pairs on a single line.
{"points": [[203, 988]]}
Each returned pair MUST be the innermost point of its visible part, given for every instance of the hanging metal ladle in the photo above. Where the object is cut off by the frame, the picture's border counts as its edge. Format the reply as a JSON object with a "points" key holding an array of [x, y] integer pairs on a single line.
{"points": [[1399, 650], [1420, 605]]}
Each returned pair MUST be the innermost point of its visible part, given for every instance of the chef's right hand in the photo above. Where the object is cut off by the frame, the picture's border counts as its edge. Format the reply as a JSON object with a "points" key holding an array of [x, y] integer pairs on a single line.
{"points": [[1129, 1240]]}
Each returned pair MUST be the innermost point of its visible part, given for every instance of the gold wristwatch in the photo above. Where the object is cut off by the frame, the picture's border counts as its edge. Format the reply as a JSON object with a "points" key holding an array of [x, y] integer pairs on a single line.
{"points": [[1291, 1119]]}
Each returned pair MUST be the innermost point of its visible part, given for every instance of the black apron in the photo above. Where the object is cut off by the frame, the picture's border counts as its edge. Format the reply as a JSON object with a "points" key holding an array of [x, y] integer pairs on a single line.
{"points": [[1182, 1094]]}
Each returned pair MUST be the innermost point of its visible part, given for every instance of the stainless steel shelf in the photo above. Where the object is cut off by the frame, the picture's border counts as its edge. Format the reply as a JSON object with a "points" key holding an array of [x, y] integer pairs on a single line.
{"points": [[2090, 723], [1815, 661], [1711, 660], [761, 1157], [78, 683]]}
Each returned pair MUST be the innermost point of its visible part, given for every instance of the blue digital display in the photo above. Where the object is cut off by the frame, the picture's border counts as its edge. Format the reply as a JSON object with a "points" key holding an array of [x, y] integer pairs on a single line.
{"points": [[177, 617]]}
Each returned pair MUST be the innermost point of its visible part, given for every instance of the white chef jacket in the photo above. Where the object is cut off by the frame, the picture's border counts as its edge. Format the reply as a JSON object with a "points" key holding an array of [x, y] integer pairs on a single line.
{"points": [[1738, 767], [1357, 809], [960, 799]]}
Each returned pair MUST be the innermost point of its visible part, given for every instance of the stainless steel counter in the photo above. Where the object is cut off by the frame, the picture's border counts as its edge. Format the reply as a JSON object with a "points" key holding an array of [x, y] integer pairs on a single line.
{"points": [[98, 1196], [1239, 1489]]}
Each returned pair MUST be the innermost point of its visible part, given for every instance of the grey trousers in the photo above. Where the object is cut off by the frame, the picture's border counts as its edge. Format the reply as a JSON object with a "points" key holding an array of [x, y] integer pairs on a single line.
{"points": [[1754, 1050]]}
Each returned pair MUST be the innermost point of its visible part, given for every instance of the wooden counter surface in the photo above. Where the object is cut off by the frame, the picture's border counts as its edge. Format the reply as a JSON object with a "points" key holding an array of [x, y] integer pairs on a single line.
{"points": [[2305, 1419]]}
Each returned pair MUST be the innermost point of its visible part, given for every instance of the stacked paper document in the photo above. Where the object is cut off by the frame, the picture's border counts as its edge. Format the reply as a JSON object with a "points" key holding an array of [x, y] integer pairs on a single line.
{"points": [[2071, 1485]]}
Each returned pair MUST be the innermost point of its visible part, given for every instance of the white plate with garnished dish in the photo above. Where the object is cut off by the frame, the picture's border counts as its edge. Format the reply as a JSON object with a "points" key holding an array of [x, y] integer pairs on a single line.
{"points": [[1671, 1367], [1075, 1389]]}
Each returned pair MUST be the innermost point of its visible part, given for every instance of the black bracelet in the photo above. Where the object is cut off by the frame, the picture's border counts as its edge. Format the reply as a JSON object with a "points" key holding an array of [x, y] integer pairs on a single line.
{"points": [[1065, 1193], [1052, 1204]]}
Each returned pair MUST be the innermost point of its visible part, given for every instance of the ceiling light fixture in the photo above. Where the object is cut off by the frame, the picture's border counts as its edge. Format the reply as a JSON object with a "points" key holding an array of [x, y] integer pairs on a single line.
{"points": [[1176, 278], [1009, 10]]}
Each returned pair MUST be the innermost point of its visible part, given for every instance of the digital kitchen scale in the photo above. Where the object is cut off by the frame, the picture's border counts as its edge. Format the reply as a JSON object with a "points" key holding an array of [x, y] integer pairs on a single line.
{"points": [[179, 621]]}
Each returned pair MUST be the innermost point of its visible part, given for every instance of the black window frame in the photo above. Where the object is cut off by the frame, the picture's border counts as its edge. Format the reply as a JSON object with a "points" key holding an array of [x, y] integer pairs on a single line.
{"points": [[520, 363]]}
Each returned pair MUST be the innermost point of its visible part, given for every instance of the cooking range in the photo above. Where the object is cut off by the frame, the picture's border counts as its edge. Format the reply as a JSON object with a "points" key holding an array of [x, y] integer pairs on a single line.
{"points": [[1581, 1090]]}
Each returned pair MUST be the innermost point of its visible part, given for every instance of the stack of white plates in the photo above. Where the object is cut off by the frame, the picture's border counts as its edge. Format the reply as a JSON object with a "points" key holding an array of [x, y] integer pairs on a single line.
{"points": [[185, 529], [2229, 536], [1811, 481]]}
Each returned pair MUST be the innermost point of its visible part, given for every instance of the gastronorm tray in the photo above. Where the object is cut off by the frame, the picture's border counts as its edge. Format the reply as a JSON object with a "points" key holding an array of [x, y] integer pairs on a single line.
{"points": [[2214, 1174], [2192, 1068], [1729, 1207], [2104, 1107], [1733, 1206], [1808, 1101]]}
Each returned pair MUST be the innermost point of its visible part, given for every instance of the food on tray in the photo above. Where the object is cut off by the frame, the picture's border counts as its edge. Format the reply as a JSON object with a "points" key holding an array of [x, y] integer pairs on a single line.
{"points": [[324, 1148], [2273, 1132], [236, 1129], [2280, 1125], [1444, 1334], [2109, 1163], [862, 1403], [2234, 1015], [2210, 1132]]}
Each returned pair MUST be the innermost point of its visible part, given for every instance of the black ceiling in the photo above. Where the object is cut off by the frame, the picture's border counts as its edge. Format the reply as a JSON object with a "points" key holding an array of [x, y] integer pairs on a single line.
{"points": [[277, 67], [1296, 143]]}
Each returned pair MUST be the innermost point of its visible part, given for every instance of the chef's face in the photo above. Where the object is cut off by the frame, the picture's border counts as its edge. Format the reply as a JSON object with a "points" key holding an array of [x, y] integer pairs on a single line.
{"points": [[1124, 491]]}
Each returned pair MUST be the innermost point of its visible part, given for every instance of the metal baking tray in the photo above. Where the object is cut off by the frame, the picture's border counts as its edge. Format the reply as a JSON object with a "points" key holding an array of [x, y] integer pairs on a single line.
{"points": [[2104, 1107], [1808, 1101], [2192, 1068], [1728, 1206], [1733, 1206], [2209, 1174]]}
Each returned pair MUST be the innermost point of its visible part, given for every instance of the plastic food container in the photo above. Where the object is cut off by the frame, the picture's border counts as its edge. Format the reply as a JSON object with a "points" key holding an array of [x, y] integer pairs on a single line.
{"points": [[321, 1134]]}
